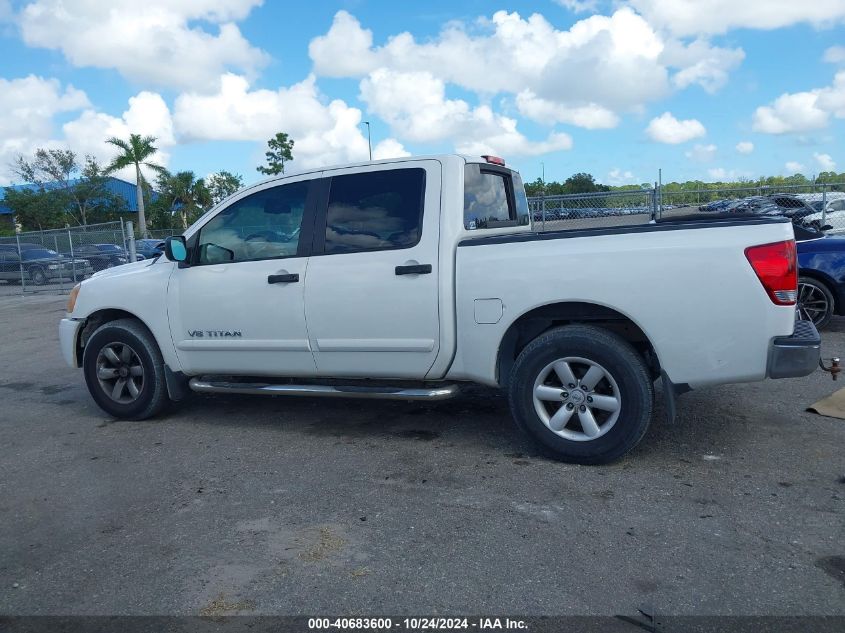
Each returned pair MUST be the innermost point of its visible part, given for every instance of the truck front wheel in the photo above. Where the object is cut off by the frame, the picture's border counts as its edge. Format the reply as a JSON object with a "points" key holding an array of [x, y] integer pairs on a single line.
{"points": [[124, 370], [583, 393]]}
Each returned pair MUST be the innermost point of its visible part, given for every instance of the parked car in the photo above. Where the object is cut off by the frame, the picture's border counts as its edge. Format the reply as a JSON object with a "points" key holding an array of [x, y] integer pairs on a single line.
{"points": [[102, 256], [833, 216], [39, 265], [404, 299], [821, 281], [149, 248]]}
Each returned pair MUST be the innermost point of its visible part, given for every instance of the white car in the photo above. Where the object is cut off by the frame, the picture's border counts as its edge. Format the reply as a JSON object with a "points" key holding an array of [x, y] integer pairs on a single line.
{"points": [[404, 278], [834, 211]]}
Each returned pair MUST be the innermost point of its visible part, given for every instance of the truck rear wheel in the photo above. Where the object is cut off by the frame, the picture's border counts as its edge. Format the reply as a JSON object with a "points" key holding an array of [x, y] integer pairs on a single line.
{"points": [[583, 393], [124, 370]]}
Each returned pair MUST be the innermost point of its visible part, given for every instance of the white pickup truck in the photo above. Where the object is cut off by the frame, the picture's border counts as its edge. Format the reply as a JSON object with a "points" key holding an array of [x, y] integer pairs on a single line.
{"points": [[403, 278]]}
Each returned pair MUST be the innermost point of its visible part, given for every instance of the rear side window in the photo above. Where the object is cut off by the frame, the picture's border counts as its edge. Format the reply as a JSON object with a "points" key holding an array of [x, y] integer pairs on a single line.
{"points": [[488, 198], [377, 210]]}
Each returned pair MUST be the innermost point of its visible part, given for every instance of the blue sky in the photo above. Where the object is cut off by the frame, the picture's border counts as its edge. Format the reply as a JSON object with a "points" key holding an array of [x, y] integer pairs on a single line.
{"points": [[711, 89]]}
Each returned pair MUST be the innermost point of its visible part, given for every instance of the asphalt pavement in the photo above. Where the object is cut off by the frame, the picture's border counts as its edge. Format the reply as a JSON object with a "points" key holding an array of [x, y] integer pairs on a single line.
{"points": [[249, 505]]}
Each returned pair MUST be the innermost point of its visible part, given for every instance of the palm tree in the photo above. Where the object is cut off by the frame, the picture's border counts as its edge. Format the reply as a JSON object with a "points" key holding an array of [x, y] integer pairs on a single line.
{"points": [[135, 152], [188, 195]]}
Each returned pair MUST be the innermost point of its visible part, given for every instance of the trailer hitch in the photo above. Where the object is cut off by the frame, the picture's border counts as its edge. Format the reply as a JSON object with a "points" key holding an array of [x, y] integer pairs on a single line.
{"points": [[834, 368]]}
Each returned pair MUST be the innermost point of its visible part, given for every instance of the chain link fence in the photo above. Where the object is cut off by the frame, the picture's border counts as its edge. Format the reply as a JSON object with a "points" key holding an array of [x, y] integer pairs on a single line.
{"points": [[817, 206], [593, 210], [55, 260]]}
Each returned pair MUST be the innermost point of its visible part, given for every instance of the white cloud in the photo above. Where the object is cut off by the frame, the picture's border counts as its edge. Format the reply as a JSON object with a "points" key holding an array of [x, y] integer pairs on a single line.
{"points": [[579, 6], [802, 111], [389, 148], [29, 105], [745, 147], [543, 67], [32, 103], [826, 163], [702, 153], [834, 55], [711, 17], [700, 63], [617, 177], [590, 116], [415, 106], [667, 129], [720, 174], [797, 112], [156, 42], [147, 115], [323, 133], [793, 167]]}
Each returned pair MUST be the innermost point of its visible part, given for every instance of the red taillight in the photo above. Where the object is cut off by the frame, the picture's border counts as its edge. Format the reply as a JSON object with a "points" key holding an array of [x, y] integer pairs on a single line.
{"points": [[776, 266], [494, 160]]}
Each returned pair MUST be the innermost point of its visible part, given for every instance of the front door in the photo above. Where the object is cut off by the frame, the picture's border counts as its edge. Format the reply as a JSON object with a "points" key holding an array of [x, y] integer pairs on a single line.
{"points": [[371, 298], [238, 308]]}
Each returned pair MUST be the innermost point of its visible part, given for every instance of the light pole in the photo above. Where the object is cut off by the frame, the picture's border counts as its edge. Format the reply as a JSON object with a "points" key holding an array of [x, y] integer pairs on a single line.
{"points": [[543, 193], [369, 139]]}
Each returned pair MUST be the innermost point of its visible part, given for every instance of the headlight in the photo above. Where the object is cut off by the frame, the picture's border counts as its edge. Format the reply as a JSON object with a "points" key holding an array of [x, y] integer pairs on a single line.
{"points": [[53, 267], [71, 300]]}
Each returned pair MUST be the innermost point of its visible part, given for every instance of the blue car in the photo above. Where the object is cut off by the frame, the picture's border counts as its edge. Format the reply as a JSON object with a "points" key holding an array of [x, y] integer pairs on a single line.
{"points": [[821, 276], [149, 248]]}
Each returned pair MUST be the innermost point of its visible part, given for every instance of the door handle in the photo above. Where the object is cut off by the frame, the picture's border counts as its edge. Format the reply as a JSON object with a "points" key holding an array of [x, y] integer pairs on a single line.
{"points": [[283, 279], [414, 269]]}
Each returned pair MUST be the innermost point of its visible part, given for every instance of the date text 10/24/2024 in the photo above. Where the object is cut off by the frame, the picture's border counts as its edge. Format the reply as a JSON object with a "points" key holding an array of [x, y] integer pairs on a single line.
{"points": [[416, 624]]}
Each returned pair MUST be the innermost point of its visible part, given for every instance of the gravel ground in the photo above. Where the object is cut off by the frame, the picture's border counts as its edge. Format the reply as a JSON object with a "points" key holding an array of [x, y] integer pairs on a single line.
{"points": [[289, 506]]}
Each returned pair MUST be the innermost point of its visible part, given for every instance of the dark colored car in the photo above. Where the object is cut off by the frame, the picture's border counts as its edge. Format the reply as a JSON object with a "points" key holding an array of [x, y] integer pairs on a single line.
{"points": [[149, 248], [101, 256], [821, 280], [787, 205], [40, 265]]}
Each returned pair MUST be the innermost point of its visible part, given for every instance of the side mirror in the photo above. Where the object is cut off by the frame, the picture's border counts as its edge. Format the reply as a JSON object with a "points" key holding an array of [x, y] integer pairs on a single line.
{"points": [[175, 249]]}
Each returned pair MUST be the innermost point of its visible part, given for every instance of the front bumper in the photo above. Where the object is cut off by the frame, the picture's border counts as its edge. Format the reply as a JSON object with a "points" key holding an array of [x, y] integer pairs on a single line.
{"points": [[69, 271], [68, 333], [795, 355]]}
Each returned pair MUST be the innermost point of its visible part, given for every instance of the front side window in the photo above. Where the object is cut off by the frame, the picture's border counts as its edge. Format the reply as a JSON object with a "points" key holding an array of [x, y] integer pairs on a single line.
{"points": [[264, 225], [377, 210], [487, 201]]}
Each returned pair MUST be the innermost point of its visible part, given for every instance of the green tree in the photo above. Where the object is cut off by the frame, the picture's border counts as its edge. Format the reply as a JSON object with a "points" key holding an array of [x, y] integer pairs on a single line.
{"points": [[222, 185], [134, 153], [583, 183], [280, 150], [82, 190], [36, 209], [186, 196]]}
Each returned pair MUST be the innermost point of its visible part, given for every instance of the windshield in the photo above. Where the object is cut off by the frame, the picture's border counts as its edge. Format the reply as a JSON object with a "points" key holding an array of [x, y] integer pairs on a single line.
{"points": [[39, 253], [109, 247]]}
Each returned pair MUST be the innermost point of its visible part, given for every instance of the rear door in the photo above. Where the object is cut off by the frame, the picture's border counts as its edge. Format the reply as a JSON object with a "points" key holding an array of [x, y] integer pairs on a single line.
{"points": [[371, 298]]}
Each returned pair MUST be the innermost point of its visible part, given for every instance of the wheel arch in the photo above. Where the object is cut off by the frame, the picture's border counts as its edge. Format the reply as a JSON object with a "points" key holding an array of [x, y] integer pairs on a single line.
{"points": [[538, 320], [99, 318]]}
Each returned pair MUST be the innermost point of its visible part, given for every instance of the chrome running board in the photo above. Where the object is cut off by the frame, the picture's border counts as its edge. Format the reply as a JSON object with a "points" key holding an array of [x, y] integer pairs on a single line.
{"points": [[440, 392]]}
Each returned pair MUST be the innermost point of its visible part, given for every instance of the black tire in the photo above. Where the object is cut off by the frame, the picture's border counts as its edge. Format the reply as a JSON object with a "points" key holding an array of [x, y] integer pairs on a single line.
{"points": [[152, 395], [621, 363], [817, 292], [37, 276]]}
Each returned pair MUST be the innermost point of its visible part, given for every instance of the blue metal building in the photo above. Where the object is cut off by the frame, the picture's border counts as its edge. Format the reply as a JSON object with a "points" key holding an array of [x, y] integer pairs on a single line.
{"points": [[115, 185]]}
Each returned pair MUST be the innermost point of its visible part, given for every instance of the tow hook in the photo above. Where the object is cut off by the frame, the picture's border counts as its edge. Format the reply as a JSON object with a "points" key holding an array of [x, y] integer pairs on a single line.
{"points": [[834, 368]]}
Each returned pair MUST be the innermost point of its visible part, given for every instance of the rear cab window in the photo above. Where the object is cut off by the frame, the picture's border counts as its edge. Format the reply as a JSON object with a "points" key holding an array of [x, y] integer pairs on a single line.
{"points": [[375, 211], [494, 198]]}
